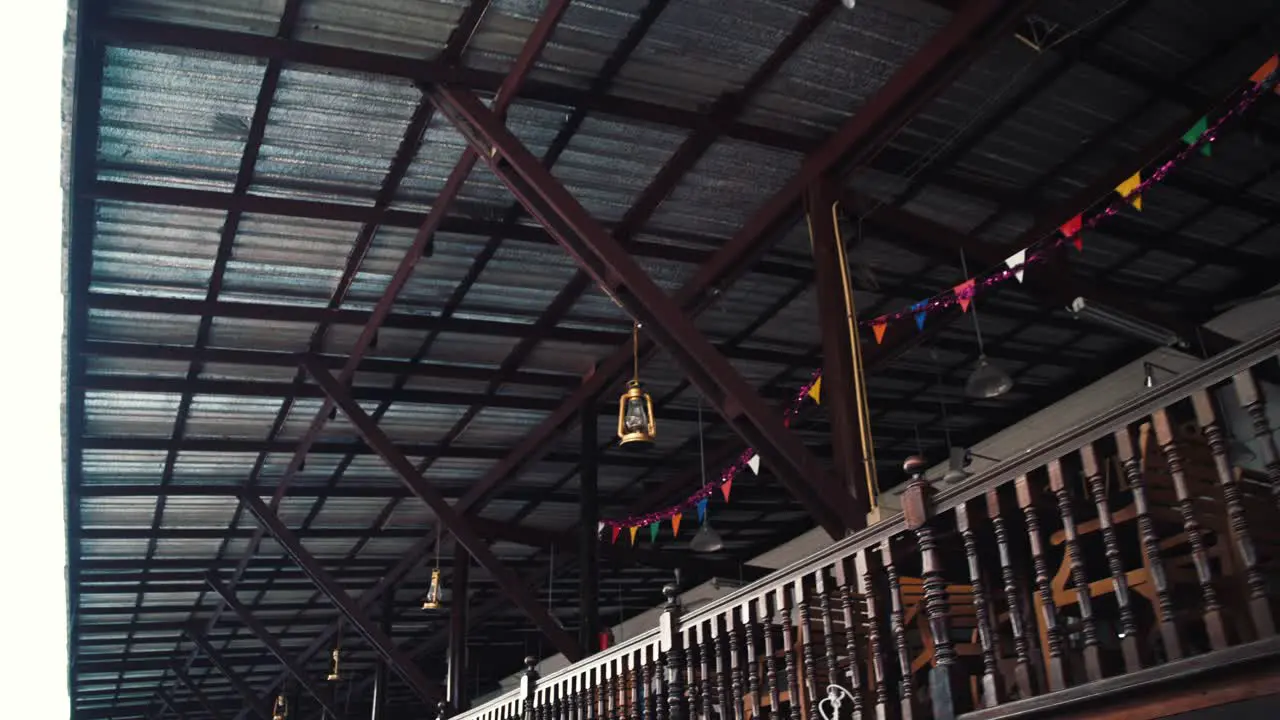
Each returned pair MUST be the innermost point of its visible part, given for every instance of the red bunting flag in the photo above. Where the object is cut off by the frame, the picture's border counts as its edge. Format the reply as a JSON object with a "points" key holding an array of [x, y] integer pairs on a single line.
{"points": [[725, 488], [878, 327], [1260, 75], [675, 524], [964, 294], [616, 530], [1071, 230]]}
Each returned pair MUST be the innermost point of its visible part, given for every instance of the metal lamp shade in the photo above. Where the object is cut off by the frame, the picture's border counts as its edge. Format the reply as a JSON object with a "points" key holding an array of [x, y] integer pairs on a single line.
{"points": [[635, 417], [707, 540], [987, 380]]}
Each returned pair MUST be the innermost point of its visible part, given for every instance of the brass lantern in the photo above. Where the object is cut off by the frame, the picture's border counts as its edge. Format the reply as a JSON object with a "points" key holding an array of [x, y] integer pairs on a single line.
{"points": [[334, 674], [281, 709], [635, 407], [433, 600]]}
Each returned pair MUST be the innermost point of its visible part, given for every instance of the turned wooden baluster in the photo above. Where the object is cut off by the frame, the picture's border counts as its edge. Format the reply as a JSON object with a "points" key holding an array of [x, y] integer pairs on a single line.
{"points": [[735, 667], [1212, 611], [845, 579], [673, 642], [1079, 578], [725, 698], [1013, 598], [789, 652], [992, 690], [577, 698], [753, 664], [948, 686], [1259, 609], [770, 658], [809, 670], [828, 632], [600, 699], [704, 666], [1048, 609], [649, 711], [1131, 464], [866, 585], [693, 688], [897, 627], [660, 686], [636, 700], [1119, 581], [553, 703], [617, 690], [1255, 404]]}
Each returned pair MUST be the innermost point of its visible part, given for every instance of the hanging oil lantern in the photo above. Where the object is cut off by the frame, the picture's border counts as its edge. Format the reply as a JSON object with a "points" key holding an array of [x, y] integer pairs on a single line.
{"points": [[434, 599], [635, 407], [335, 673], [281, 709]]}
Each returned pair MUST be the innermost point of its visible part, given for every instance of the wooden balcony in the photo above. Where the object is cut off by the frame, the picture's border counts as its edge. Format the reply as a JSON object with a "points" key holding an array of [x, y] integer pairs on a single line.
{"points": [[1127, 568]]}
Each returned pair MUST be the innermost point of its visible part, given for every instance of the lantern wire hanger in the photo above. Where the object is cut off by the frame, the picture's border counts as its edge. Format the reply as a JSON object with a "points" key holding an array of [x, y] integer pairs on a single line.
{"points": [[335, 673], [987, 380], [434, 599], [706, 540], [635, 408]]}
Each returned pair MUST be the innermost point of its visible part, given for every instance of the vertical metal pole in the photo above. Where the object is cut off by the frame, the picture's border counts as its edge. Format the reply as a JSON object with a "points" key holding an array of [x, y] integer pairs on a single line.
{"points": [[457, 679], [381, 670], [588, 538]]}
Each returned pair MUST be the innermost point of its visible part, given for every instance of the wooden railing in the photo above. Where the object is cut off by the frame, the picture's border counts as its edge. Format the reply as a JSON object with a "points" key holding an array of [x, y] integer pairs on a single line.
{"points": [[1122, 547]]}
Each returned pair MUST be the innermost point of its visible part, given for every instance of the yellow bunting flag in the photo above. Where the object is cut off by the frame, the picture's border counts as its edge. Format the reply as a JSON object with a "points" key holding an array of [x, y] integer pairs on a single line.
{"points": [[815, 392], [675, 524], [1127, 190], [634, 529], [1264, 71], [878, 327]]}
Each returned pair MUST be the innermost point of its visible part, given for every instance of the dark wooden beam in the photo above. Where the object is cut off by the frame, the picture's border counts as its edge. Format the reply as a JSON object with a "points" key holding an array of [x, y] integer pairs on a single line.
{"points": [[458, 526], [256, 704], [195, 691], [325, 582], [293, 666]]}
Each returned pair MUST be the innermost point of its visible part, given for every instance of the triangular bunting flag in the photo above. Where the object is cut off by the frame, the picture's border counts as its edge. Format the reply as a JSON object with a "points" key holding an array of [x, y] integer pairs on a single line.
{"points": [[599, 528], [725, 488], [754, 464], [1260, 75], [1191, 136], [878, 327], [616, 530], [675, 524], [634, 529], [815, 391], [1072, 226], [1078, 242], [1017, 263], [920, 313], [964, 294], [653, 532], [1127, 190], [702, 509]]}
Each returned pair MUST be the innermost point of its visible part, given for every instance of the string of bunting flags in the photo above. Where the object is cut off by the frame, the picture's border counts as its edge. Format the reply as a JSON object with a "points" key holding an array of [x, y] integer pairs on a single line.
{"points": [[1197, 139]]}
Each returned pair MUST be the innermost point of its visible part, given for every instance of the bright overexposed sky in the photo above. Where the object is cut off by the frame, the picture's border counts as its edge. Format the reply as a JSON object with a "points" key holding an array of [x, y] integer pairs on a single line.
{"points": [[33, 658]]}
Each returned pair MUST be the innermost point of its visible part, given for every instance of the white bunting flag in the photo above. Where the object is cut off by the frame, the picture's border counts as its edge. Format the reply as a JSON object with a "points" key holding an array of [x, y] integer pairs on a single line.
{"points": [[754, 464], [1016, 262]]}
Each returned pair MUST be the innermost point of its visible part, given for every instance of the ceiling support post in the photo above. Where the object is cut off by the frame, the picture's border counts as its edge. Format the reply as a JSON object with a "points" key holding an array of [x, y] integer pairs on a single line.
{"points": [[588, 532], [459, 598], [836, 321], [255, 625], [457, 525], [383, 645]]}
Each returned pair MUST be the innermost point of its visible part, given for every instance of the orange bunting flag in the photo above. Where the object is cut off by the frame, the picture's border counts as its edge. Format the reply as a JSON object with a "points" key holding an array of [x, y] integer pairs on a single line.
{"points": [[634, 529], [616, 530], [1127, 190], [815, 391], [964, 294], [675, 524], [725, 488], [1071, 230], [878, 328], [1260, 75]]}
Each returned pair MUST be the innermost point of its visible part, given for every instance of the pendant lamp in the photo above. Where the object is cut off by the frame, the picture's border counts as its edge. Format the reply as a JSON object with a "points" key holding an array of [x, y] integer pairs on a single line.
{"points": [[706, 540], [635, 408], [987, 380], [434, 599]]}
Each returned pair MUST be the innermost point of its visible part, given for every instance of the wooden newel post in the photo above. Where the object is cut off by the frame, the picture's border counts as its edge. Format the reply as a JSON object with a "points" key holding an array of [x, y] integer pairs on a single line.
{"points": [[948, 687], [528, 686], [671, 642]]}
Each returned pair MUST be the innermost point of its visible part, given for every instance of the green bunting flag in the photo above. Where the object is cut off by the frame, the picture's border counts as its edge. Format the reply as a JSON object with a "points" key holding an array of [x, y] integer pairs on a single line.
{"points": [[1191, 136], [653, 532]]}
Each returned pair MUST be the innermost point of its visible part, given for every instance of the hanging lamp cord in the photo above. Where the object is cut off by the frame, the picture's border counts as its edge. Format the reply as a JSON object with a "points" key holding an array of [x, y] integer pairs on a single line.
{"points": [[635, 352]]}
